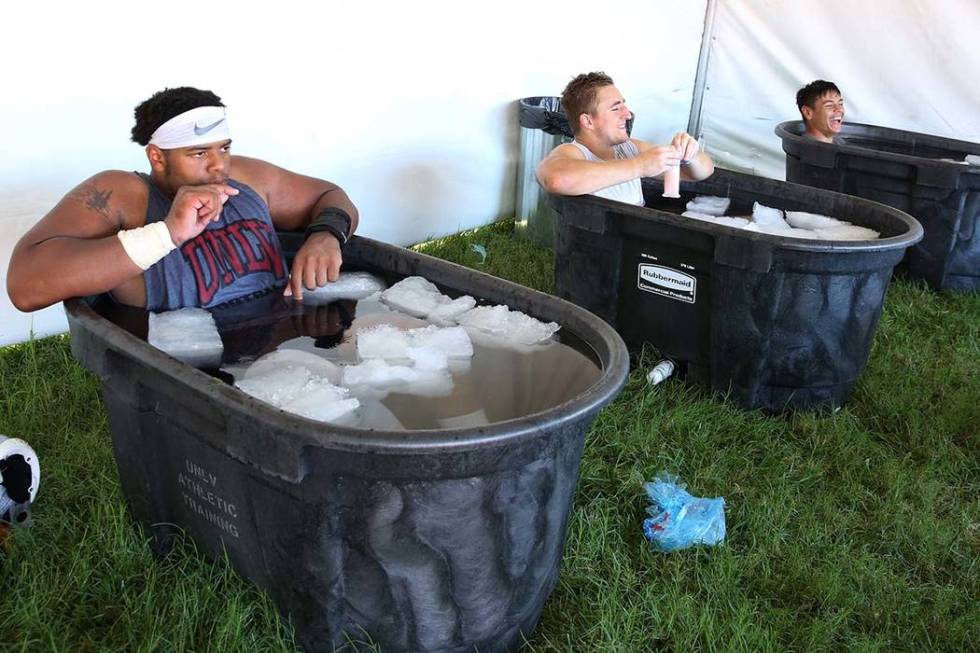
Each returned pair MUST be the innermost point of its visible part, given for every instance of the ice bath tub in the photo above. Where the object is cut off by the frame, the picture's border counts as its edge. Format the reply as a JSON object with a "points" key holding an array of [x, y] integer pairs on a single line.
{"points": [[921, 174], [780, 322], [438, 540]]}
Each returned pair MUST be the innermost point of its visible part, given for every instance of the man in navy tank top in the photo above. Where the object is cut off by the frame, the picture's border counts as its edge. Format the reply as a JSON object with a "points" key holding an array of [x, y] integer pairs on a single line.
{"points": [[603, 160], [198, 230]]}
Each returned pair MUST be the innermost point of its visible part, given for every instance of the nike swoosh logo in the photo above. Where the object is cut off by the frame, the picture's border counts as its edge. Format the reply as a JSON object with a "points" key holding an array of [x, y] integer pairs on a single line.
{"points": [[200, 131]]}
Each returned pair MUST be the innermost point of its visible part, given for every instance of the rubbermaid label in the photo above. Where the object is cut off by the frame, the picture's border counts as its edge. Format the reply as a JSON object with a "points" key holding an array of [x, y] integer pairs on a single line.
{"points": [[667, 282]]}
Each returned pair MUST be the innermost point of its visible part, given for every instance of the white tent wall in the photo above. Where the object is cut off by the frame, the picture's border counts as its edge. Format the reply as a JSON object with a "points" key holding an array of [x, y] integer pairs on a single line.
{"points": [[904, 64], [411, 107]]}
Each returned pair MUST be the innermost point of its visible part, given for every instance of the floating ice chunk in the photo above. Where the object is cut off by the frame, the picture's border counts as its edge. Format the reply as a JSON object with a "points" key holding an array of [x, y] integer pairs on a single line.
{"points": [[739, 223], [446, 313], [797, 224], [383, 341], [804, 220], [377, 375], [428, 359], [421, 298], [295, 358], [765, 216], [454, 341], [709, 204], [188, 334], [350, 285], [847, 232], [503, 325], [321, 400], [295, 390], [387, 342], [972, 159], [277, 385], [412, 295]]}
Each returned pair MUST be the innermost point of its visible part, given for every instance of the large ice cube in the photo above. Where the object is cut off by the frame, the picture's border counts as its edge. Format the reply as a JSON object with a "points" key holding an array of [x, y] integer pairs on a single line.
{"points": [[804, 220], [375, 378], [709, 204], [429, 359], [188, 334], [294, 389], [350, 285], [383, 341], [501, 325], [453, 341], [276, 385], [321, 400], [448, 312], [421, 298], [412, 295], [847, 232], [315, 365], [765, 216]]}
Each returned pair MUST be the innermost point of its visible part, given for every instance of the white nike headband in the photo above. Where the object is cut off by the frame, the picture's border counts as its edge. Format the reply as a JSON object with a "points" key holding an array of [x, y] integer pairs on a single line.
{"points": [[195, 127]]}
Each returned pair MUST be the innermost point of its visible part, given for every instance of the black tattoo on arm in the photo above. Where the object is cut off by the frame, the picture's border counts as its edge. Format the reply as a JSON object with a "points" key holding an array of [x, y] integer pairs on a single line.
{"points": [[98, 201]]}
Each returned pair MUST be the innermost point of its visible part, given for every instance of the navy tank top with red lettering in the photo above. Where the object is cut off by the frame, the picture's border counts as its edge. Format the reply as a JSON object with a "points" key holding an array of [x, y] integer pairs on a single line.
{"points": [[236, 257]]}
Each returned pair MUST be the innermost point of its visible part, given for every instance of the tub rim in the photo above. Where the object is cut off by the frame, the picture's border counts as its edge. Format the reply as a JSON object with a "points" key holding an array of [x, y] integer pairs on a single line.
{"points": [[791, 131]]}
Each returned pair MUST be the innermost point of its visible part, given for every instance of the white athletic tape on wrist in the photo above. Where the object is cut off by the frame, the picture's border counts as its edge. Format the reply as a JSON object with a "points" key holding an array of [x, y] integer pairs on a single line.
{"points": [[195, 127], [147, 245]]}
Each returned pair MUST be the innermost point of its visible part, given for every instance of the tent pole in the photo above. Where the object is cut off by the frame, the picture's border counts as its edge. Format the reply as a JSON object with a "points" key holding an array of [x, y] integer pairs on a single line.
{"points": [[701, 79]]}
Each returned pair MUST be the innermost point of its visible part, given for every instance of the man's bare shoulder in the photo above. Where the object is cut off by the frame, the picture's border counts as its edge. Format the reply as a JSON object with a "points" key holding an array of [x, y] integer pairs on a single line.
{"points": [[261, 176], [246, 169], [567, 151], [117, 196]]}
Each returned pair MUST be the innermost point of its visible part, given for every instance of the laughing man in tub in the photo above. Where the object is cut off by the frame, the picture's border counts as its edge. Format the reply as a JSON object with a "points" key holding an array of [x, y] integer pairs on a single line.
{"points": [[198, 230], [822, 108], [603, 160]]}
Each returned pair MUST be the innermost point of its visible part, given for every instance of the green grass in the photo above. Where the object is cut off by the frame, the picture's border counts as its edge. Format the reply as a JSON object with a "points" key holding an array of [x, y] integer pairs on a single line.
{"points": [[858, 530]]}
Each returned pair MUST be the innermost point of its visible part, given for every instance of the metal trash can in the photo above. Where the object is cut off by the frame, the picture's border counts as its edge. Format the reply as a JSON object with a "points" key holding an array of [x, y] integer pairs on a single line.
{"points": [[543, 128]]}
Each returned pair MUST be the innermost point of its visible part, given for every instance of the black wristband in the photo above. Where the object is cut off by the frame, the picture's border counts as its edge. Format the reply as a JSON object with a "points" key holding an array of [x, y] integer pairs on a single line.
{"points": [[334, 221]]}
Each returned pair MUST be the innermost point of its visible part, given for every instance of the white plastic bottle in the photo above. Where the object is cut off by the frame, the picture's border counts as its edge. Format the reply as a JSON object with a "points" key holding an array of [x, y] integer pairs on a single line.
{"points": [[660, 371]]}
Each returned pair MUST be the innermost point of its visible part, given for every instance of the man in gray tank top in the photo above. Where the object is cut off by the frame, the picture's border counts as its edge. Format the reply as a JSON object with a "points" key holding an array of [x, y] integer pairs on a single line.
{"points": [[603, 160], [198, 230]]}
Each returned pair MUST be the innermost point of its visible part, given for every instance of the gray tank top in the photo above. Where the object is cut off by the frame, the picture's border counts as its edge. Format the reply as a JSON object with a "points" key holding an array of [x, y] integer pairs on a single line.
{"points": [[630, 191], [236, 257]]}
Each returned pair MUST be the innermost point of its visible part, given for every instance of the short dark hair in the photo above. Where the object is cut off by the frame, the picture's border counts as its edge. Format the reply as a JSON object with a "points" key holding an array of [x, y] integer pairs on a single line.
{"points": [[809, 94], [164, 105], [580, 96]]}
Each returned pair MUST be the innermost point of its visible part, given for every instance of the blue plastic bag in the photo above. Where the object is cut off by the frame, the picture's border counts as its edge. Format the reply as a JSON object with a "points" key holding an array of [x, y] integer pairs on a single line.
{"points": [[679, 520]]}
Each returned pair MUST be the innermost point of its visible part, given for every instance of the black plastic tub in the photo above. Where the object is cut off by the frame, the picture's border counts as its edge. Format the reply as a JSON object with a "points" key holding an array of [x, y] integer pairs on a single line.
{"points": [[780, 322], [439, 540], [920, 174]]}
